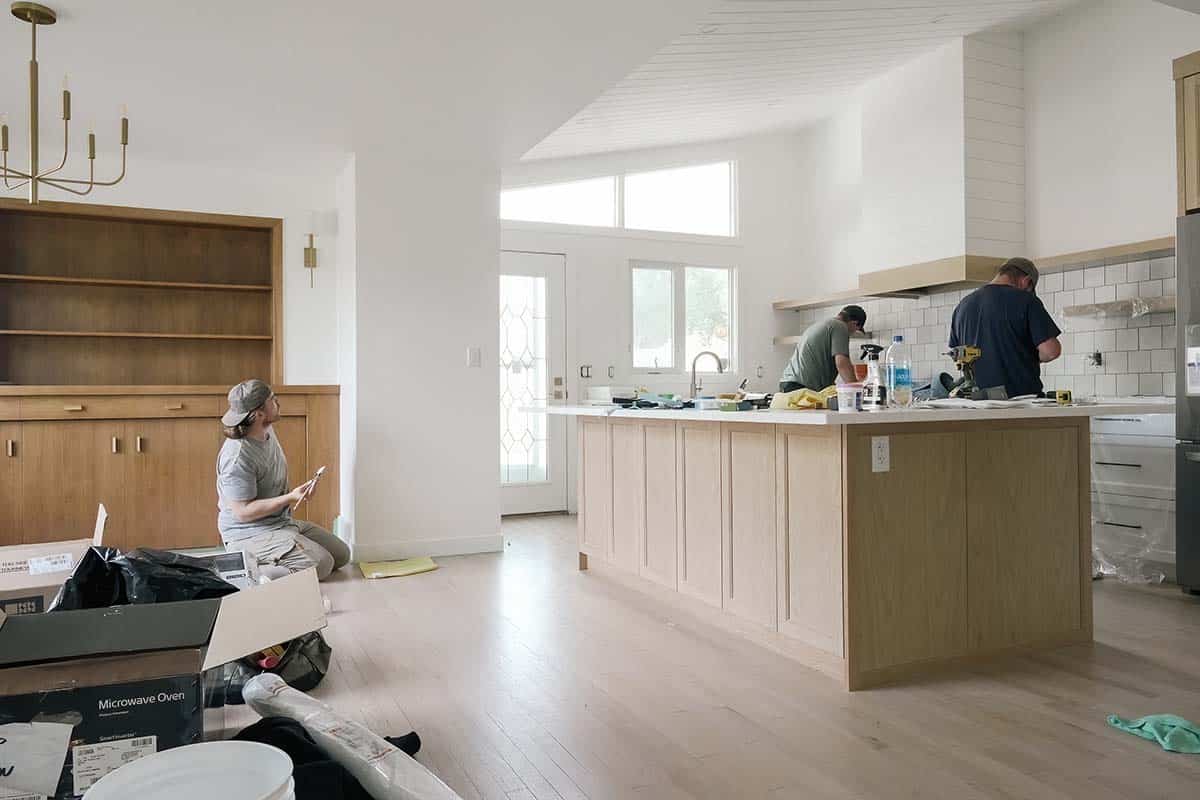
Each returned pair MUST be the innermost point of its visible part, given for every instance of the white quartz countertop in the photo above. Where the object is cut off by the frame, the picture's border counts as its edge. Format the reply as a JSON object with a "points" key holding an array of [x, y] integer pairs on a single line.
{"points": [[1121, 406]]}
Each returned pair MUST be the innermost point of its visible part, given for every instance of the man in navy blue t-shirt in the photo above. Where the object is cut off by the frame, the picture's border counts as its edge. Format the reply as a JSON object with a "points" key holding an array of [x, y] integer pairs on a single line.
{"points": [[1009, 324]]}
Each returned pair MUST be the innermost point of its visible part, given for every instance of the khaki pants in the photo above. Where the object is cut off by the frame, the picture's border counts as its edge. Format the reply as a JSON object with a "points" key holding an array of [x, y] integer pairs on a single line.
{"points": [[295, 548]]}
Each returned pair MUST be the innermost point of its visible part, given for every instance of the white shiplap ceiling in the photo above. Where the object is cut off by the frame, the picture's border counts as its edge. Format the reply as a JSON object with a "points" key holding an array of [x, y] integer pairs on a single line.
{"points": [[751, 66]]}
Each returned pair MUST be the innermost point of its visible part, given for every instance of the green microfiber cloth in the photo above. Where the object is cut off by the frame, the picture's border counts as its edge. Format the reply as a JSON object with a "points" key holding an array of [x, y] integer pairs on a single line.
{"points": [[1171, 732]]}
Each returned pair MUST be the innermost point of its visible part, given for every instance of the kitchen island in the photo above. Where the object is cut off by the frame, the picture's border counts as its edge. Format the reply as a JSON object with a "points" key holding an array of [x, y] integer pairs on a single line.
{"points": [[872, 546]]}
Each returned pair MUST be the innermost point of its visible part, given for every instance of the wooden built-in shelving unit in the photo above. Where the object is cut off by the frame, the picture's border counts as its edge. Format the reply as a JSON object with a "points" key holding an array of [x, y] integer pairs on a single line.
{"points": [[104, 295]]}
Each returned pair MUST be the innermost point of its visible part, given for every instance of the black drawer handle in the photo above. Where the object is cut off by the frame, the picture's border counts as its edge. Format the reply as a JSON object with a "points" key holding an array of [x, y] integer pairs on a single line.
{"points": [[1117, 464], [1120, 525]]}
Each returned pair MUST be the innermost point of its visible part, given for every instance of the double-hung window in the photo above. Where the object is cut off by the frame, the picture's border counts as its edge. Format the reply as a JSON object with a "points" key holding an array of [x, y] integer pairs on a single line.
{"points": [[680, 311]]}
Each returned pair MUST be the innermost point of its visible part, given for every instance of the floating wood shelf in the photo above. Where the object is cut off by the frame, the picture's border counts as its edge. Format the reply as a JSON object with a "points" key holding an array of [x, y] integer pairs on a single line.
{"points": [[1124, 308], [792, 341], [224, 287], [137, 335]]}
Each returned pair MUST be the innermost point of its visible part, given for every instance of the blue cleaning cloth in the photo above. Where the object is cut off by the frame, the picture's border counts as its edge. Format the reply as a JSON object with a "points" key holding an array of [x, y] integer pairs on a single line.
{"points": [[1171, 732]]}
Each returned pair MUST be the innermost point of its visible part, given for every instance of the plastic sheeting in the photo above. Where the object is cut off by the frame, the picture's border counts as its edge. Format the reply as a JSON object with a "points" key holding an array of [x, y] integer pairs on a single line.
{"points": [[387, 772]]}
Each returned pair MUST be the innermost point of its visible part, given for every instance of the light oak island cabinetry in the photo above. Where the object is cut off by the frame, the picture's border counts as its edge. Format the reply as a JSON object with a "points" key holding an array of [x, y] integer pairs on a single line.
{"points": [[873, 547]]}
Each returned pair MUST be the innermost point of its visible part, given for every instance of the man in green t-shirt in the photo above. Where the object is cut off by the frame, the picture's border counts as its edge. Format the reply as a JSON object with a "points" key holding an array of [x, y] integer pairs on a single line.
{"points": [[824, 353]]}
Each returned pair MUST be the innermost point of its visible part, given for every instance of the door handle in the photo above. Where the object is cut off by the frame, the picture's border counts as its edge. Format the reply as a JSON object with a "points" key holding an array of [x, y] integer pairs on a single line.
{"points": [[1119, 525], [1117, 464], [137, 443], [11, 448], [73, 408], [175, 407], [116, 445]]}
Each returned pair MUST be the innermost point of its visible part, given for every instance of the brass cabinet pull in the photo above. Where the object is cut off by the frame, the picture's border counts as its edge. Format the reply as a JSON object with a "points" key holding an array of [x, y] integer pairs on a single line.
{"points": [[116, 444], [175, 407], [137, 443], [11, 448], [73, 408]]}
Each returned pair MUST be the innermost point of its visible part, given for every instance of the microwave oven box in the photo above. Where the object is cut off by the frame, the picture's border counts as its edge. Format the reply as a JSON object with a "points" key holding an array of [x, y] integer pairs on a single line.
{"points": [[127, 679]]}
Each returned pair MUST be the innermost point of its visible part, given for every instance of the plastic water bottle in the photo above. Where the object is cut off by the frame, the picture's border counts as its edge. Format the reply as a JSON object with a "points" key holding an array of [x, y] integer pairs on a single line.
{"points": [[899, 372]]}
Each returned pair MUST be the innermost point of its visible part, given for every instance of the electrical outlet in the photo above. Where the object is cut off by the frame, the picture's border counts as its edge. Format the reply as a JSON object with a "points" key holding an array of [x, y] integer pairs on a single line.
{"points": [[881, 456], [474, 357]]}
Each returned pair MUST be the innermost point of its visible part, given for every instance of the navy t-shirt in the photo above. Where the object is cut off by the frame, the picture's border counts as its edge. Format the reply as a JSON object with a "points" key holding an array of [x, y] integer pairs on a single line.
{"points": [[1007, 324]]}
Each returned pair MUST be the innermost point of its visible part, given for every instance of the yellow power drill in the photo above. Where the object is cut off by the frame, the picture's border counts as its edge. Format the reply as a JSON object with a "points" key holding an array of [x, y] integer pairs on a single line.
{"points": [[965, 356]]}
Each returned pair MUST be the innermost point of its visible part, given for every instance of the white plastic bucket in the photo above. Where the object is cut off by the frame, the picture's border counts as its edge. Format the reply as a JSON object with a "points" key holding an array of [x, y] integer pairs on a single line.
{"points": [[226, 770]]}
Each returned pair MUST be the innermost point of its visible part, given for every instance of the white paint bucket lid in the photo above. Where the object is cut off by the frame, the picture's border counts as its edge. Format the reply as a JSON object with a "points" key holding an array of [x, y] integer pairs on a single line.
{"points": [[227, 770]]}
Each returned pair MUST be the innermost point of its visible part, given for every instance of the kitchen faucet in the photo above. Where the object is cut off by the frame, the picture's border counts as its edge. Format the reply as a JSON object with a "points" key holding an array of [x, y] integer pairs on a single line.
{"points": [[720, 368]]}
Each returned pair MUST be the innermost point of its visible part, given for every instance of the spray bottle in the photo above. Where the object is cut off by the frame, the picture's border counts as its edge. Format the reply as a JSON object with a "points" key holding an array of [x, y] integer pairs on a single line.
{"points": [[874, 396]]}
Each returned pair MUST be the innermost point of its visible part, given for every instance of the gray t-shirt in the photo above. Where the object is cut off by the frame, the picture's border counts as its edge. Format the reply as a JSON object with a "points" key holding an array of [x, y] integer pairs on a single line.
{"points": [[812, 363], [250, 470]]}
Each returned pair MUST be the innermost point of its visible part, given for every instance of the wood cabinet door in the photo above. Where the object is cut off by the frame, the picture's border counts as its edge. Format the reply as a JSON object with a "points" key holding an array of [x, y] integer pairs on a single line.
{"points": [[699, 546], [10, 484], [1189, 171], [67, 469], [657, 554], [810, 531], [1027, 534], [749, 516], [628, 458], [293, 438], [172, 495], [595, 488]]}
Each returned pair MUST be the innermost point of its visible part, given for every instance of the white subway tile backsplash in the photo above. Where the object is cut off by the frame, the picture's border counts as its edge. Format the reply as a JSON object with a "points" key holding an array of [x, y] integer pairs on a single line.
{"points": [[1138, 271], [1150, 288], [1139, 360], [1127, 385], [1162, 267], [1073, 280], [1150, 338], [1106, 294], [1126, 291], [1168, 286], [1085, 342], [1169, 385], [1085, 386], [1162, 360], [1106, 340], [1083, 297], [1050, 283], [1127, 339], [1093, 276], [1150, 383], [1116, 362], [1106, 385], [1114, 273]]}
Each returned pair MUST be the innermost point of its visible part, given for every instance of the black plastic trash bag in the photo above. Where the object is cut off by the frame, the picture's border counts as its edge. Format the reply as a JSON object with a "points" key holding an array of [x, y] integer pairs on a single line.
{"points": [[107, 577], [305, 661]]}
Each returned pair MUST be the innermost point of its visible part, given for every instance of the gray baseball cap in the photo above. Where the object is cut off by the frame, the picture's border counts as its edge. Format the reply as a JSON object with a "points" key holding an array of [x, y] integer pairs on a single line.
{"points": [[1024, 266], [247, 396]]}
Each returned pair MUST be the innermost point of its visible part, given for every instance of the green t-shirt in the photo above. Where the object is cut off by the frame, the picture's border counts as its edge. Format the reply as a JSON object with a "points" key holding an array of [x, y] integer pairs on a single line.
{"points": [[812, 363]]}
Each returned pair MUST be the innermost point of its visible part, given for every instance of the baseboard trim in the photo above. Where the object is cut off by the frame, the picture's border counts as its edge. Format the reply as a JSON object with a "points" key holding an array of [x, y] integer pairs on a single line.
{"points": [[412, 548]]}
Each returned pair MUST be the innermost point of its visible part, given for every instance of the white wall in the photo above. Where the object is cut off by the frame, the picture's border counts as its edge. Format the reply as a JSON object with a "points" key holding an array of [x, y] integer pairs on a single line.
{"points": [[347, 333], [309, 327], [1100, 120], [427, 288], [913, 162]]}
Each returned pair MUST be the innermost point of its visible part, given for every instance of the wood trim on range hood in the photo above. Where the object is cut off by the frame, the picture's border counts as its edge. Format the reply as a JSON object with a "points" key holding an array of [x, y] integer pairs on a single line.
{"points": [[928, 274]]}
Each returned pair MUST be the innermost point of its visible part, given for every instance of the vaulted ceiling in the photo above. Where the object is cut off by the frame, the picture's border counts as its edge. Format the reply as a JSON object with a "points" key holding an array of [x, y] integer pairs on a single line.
{"points": [[751, 66]]}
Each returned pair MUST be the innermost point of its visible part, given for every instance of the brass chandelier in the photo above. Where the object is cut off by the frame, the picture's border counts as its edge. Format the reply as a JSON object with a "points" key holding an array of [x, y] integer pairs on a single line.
{"points": [[36, 15]]}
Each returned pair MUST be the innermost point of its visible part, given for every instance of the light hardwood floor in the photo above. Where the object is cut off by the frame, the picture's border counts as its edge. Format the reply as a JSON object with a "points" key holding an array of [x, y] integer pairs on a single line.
{"points": [[529, 679]]}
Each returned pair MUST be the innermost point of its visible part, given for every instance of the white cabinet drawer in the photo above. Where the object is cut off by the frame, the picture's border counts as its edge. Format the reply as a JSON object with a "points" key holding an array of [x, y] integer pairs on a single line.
{"points": [[1146, 530], [1134, 470], [1136, 424]]}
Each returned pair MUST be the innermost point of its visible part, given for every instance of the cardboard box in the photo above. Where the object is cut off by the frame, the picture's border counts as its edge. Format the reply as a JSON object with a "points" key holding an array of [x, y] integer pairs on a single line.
{"points": [[32, 574], [127, 678]]}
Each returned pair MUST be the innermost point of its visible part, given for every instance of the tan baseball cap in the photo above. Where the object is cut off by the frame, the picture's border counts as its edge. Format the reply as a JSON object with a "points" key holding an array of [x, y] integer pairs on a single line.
{"points": [[247, 396]]}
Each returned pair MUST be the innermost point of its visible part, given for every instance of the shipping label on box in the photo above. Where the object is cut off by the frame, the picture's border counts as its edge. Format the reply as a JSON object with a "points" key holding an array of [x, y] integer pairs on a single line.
{"points": [[113, 725]]}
